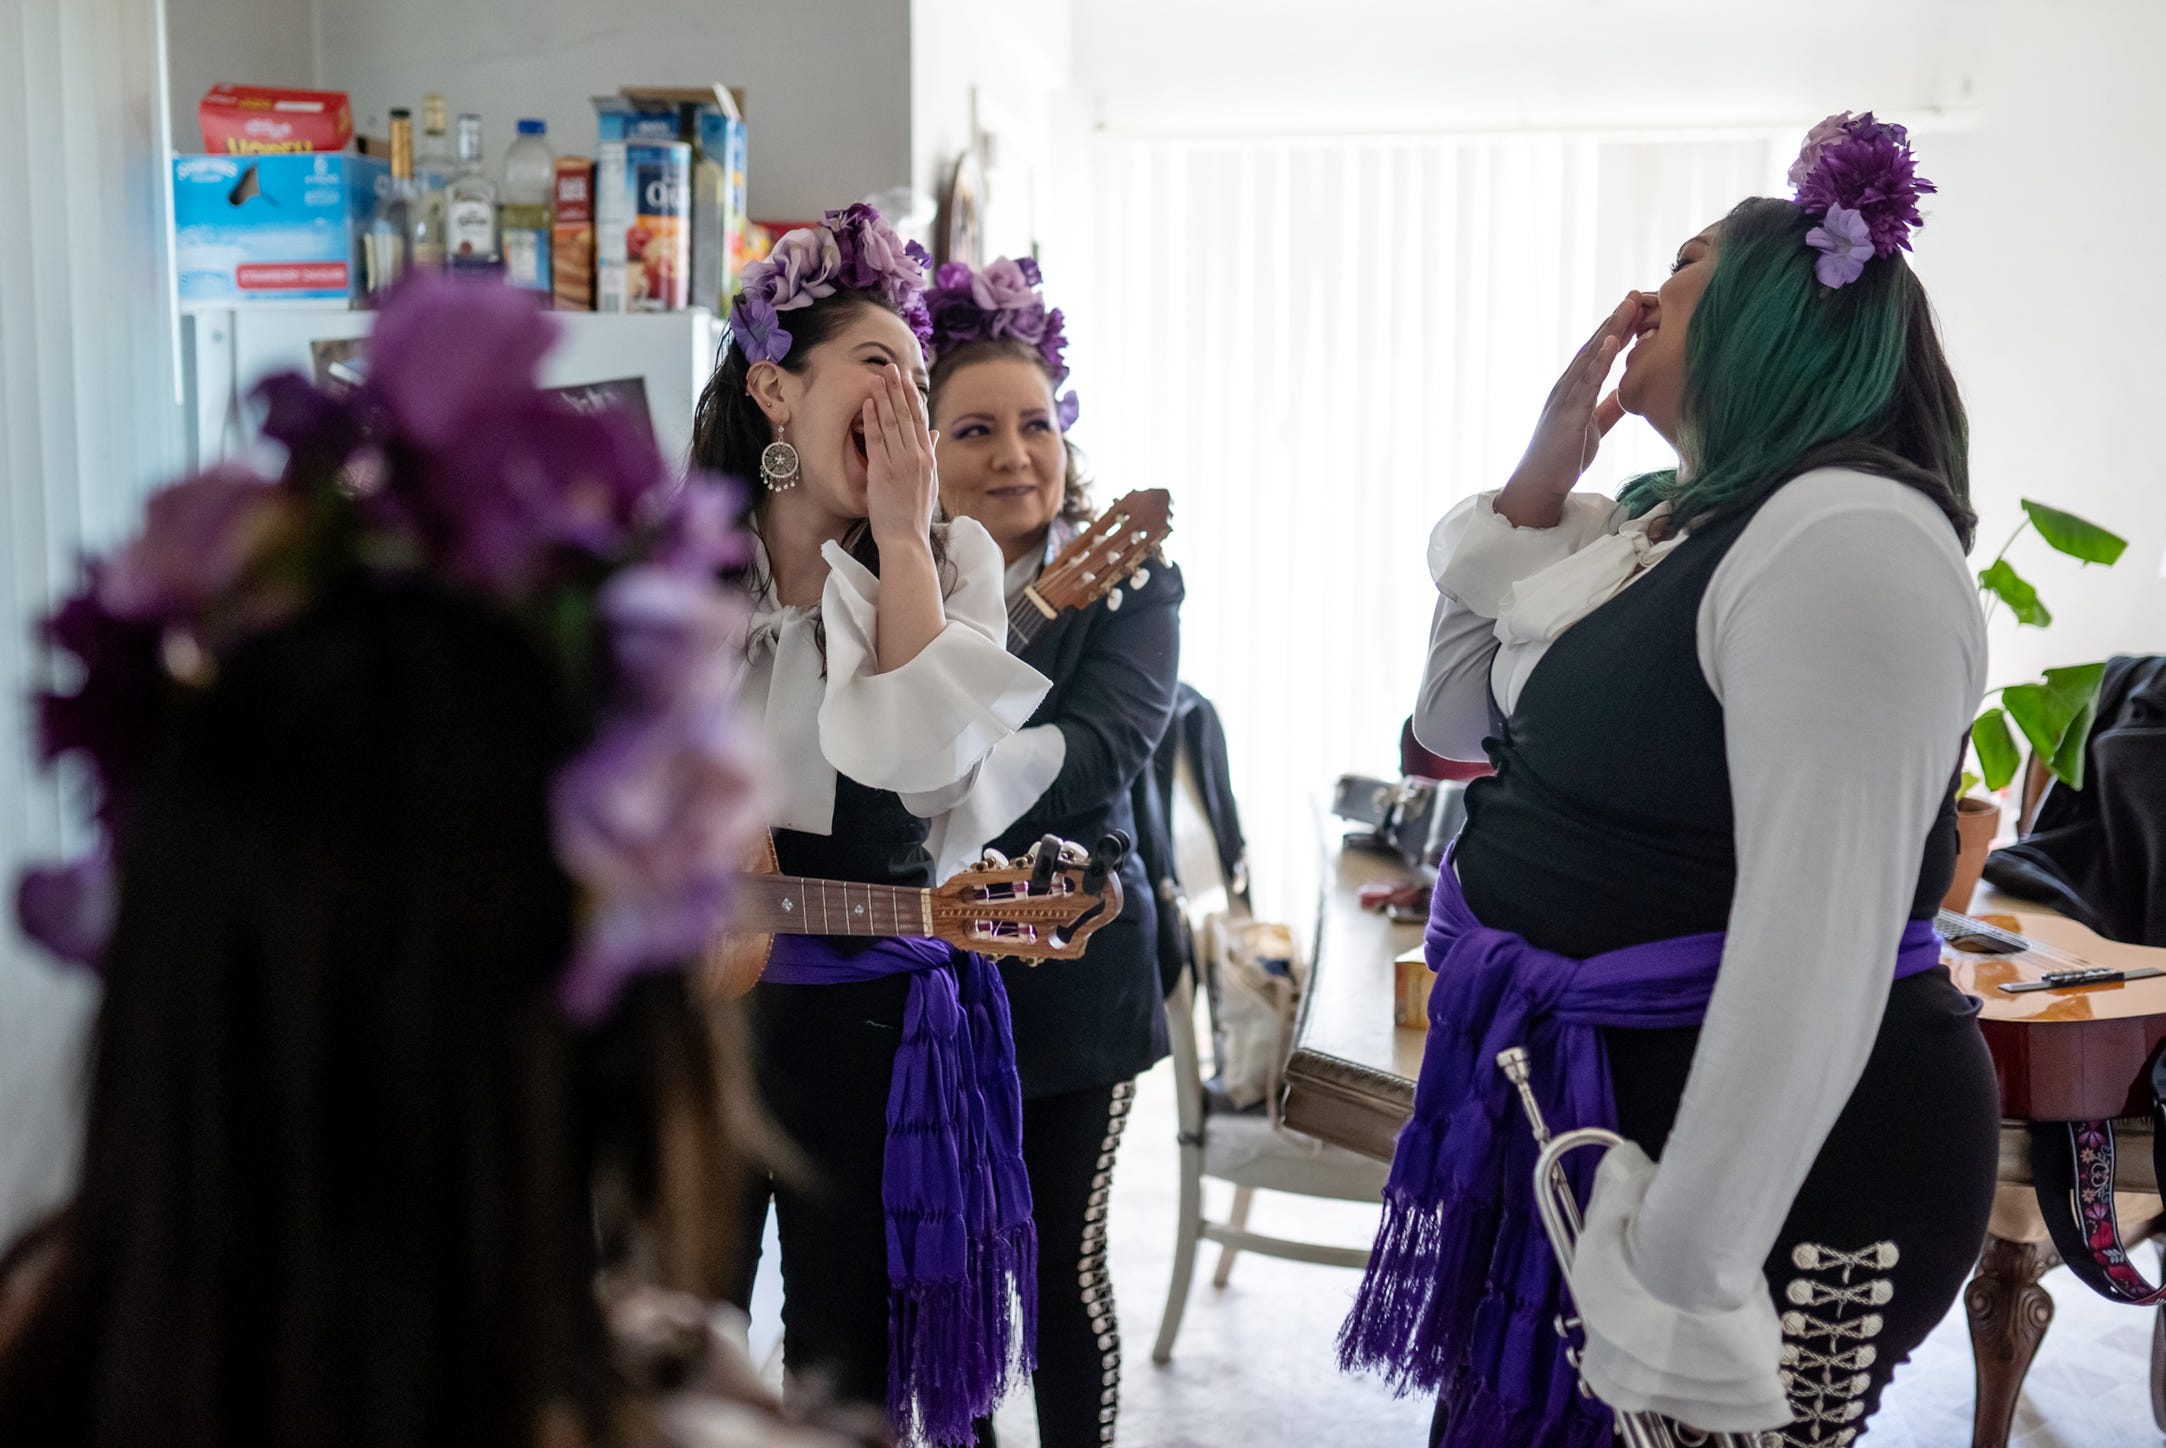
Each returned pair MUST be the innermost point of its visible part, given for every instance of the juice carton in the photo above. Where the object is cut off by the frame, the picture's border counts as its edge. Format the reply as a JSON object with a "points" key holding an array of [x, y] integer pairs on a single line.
{"points": [[255, 120], [573, 253], [251, 230]]}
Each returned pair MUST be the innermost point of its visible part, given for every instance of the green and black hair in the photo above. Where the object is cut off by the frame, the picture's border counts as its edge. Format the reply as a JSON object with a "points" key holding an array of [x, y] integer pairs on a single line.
{"points": [[1784, 375]]}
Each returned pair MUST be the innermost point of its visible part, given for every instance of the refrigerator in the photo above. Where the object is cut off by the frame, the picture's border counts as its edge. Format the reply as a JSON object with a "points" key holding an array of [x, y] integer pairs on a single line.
{"points": [[225, 353]]}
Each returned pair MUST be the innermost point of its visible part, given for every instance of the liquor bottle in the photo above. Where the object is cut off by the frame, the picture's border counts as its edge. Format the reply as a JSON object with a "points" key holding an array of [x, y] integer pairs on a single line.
{"points": [[387, 247], [529, 181], [470, 222], [434, 166]]}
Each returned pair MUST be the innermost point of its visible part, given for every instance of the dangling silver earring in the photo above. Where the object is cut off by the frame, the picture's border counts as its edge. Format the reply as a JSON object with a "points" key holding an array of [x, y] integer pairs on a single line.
{"points": [[778, 464]]}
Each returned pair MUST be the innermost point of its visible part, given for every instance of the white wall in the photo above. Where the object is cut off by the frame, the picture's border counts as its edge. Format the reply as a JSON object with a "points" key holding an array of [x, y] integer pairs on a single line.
{"points": [[248, 42], [1012, 59], [2043, 257]]}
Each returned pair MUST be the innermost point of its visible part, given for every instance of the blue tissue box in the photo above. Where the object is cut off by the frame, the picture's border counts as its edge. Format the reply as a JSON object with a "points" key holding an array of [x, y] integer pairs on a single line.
{"points": [[272, 230]]}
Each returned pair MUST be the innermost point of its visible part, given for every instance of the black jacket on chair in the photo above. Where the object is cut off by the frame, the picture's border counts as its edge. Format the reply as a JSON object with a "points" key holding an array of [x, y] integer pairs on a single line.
{"points": [[1196, 731], [1100, 1019], [2098, 854]]}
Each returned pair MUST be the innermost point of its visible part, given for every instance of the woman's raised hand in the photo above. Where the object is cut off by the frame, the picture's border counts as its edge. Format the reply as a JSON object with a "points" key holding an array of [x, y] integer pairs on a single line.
{"points": [[902, 480], [1572, 424]]}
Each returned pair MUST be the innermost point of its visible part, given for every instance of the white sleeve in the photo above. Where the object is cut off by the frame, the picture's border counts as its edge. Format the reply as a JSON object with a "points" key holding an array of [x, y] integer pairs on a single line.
{"points": [[1842, 636], [1013, 777], [922, 730], [1476, 556]]}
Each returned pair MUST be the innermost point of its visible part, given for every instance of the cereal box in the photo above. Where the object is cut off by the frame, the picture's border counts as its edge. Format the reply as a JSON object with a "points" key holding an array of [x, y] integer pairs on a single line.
{"points": [[642, 232], [573, 253]]}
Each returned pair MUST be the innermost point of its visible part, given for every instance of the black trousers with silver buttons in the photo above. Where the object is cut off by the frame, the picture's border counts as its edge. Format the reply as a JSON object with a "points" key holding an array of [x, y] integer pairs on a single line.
{"points": [[1069, 1142]]}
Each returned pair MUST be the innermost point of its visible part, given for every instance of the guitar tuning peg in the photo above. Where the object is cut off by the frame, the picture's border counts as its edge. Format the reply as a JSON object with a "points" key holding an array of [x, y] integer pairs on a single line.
{"points": [[992, 860], [1140, 580], [1113, 601]]}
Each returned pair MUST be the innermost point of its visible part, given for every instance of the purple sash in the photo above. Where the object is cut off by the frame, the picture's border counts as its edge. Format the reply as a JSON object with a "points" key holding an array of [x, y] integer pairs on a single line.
{"points": [[961, 1247], [1462, 1284]]}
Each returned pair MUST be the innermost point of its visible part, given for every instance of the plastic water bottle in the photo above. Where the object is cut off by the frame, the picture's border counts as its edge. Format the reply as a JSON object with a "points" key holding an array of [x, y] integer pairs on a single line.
{"points": [[529, 183]]}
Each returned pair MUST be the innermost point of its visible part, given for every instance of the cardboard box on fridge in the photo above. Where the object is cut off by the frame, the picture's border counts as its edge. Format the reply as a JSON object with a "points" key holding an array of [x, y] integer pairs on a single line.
{"points": [[710, 120], [271, 230], [259, 120]]}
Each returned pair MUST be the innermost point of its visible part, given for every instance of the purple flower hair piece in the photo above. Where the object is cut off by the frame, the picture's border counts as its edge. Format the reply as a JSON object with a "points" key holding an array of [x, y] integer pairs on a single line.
{"points": [[481, 480], [854, 249], [1863, 169], [1000, 302]]}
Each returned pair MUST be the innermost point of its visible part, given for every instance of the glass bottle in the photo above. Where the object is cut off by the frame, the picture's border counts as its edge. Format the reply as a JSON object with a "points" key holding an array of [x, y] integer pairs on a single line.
{"points": [[434, 166], [387, 246], [470, 221]]}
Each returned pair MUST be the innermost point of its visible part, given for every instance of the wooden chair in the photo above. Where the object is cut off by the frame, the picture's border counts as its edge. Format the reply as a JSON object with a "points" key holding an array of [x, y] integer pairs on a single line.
{"points": [[1251, 1150]]}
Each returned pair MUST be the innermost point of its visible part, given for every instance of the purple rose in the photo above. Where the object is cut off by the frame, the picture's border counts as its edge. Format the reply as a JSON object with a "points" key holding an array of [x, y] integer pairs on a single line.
{"points": [[1873, 175], [447, 354], [1026, 323], [69, 909], [954, 276], [198, 536], [1817, 140], [1002, 287], [803, 268]]}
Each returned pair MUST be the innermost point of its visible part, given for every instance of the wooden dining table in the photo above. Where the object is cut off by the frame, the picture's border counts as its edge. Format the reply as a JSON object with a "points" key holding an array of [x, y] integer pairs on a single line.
{"points": [[1350, 1082]]}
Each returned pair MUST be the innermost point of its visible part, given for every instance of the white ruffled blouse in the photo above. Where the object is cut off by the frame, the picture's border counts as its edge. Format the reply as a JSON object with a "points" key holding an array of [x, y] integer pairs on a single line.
{"points": [[1842, 635], [922, 730]]}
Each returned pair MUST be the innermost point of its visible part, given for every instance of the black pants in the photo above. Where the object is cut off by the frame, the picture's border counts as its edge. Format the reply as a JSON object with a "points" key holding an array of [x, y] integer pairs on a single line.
{"points": [[1068, 1145], [1887, 1226], [824, 1057]]}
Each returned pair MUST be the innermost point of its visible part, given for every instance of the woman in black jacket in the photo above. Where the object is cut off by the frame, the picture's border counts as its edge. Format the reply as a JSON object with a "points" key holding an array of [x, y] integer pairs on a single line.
{"points": [[1084, 1031]]}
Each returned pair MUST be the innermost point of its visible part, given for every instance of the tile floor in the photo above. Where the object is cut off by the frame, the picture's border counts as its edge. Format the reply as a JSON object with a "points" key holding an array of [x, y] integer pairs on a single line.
{"points": [[1254, 1366]]}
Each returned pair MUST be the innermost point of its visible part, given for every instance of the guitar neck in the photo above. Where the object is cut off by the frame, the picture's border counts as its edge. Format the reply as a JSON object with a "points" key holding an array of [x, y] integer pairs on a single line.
{"points": [[1026, 619], [796, 905]]}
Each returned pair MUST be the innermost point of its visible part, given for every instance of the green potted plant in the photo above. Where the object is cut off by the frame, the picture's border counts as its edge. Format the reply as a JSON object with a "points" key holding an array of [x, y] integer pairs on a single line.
{"points": [[2053, 712]]}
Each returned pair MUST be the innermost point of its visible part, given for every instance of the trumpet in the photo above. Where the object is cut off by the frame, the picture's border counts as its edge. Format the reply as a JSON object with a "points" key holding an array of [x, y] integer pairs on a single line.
{"points": [[1559, 1211]]}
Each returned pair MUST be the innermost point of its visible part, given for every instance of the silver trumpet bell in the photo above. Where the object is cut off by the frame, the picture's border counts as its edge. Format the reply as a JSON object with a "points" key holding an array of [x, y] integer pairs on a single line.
{"points": [[1559, 1211]]}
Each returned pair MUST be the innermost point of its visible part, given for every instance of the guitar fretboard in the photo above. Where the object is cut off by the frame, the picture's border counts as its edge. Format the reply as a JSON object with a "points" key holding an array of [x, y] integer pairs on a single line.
{"points": [[795, 905]]}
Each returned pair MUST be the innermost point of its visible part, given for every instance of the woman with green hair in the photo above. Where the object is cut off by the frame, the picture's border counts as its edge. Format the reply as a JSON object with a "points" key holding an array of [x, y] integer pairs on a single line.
{"points": [[1726, 713]]}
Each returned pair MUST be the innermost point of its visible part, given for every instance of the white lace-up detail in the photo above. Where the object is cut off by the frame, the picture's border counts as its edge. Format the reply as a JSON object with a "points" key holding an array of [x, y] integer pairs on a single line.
{"points": [[1097, 1285], [1827, 1352]]}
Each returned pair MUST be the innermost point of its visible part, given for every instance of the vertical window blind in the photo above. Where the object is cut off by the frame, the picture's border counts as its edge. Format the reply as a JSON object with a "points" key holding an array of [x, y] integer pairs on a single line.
{"points": [[89, 421], [1319, 345]]}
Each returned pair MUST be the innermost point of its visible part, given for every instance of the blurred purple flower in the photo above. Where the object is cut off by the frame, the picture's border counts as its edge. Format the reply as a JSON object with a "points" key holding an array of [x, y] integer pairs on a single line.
{"points": [[112, 719], [1001, 286], [319, 431], [198, 536], [1845, 244], [1818, 139], [69, 909], [1071, 408], [700, 526], [875, 257], [449, 356], [655, 818], [1000, 301]]}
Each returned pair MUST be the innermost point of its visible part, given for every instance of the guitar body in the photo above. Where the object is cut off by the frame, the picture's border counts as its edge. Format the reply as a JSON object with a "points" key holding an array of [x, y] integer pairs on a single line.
{"points": [[736, 960], [2080, 1054]]}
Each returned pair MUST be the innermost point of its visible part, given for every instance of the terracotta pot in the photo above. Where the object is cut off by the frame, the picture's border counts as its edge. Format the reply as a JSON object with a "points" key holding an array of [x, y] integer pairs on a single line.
{"points": [[1977, 821]]}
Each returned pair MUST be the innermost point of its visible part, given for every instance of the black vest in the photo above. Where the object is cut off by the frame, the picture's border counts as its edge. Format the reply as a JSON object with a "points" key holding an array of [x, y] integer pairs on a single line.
{"points": [[874, 840], [1609, 820]]}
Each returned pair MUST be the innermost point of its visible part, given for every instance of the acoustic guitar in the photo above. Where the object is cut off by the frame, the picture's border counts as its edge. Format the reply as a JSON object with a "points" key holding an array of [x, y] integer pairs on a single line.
{"points": [[1095, 563], [2070, 1053], [1044, 906]]}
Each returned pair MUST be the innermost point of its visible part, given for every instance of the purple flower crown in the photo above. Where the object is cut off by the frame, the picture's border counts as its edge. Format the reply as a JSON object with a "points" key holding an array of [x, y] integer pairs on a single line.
{"points": [[447, 462], [1858, 176], [852, 250], [1002, 302]]}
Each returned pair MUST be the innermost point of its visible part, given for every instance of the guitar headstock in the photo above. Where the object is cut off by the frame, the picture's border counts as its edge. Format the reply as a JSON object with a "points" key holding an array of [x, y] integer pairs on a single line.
{"points": [[1045, 905], [1114, 547]]}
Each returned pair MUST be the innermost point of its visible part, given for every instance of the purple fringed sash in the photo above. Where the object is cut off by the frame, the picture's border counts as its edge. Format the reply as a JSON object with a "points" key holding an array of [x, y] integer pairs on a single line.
{"points": [[1462, 1285], [960, 1241]]}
